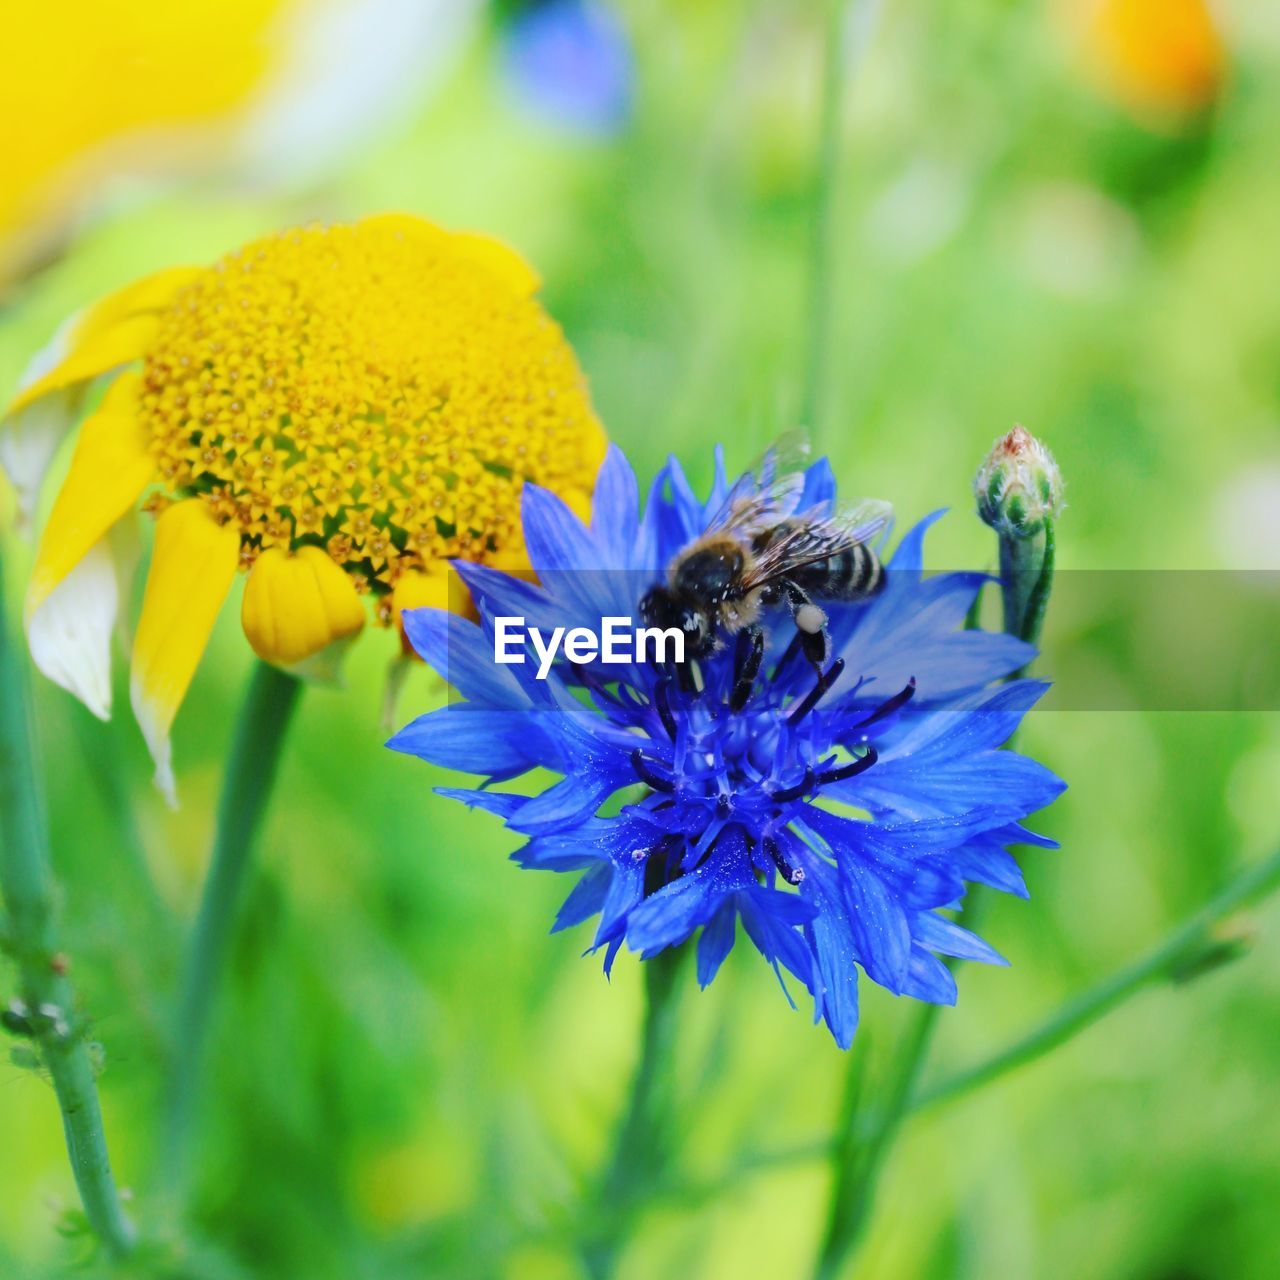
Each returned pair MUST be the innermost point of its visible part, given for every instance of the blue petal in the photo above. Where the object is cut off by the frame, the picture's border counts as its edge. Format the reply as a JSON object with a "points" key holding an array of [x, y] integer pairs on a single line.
{"points": [[483, 740], [716, 941], [669, 916], [948, 939], [819, 486], [929, 979], [502, 595], [615, 515], [992, 866], [587, 897], [503, 803], [909, 556], [782, 945], [911, 631], [563, 806], [836, 992], [978, 722], [556, 539], [1007, 785], [626, 891], [569, 851], [463, 654]]}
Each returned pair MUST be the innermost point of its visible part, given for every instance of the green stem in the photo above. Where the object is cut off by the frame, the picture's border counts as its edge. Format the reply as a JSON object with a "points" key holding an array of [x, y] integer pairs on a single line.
{"points": [[102, 756], [859, 1153], [47, 1001], [251, 771], [1038, 604], [1026, 578], [1161, 962], [813, 401], [863, 1143], [642, 1146], [847, 30]]}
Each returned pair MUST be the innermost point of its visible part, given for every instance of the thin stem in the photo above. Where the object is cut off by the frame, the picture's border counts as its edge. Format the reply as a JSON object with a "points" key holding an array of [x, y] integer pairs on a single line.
{"points": [[847, 31], [862, 1145], [251, 771], [47, 1000], [1161, 962], [1026, 577], [1038, 603], [813, 402], [642, 1147], [104, 763]]}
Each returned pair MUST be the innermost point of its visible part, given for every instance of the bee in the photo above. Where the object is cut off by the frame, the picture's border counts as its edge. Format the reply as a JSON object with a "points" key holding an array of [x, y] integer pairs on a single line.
{"points": [[760, 552]]}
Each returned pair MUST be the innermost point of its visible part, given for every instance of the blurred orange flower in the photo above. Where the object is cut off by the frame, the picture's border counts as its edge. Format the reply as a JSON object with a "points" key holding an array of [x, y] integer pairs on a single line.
{"points": [[1156, 57]]}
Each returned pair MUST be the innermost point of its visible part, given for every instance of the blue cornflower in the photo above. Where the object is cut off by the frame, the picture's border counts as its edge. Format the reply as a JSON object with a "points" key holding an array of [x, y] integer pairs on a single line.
{"points": [[833, 816], [571, 62]]}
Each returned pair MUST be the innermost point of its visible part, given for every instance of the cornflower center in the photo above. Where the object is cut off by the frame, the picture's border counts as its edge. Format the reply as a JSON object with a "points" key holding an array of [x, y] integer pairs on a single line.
{"points": [[748, 762]]}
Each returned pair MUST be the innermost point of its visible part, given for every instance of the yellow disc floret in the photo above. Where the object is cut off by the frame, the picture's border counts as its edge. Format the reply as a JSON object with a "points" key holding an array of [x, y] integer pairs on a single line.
{"points": [[381, 390]]}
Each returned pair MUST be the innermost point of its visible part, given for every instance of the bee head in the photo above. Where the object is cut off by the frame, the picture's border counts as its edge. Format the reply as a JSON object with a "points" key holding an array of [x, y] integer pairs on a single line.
{"points": [[666, 609]]}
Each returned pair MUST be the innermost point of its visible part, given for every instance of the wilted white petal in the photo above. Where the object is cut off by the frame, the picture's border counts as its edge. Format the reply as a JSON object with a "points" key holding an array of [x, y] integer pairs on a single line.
{"points": [[30, 438], [28, 441], [69, 633]]}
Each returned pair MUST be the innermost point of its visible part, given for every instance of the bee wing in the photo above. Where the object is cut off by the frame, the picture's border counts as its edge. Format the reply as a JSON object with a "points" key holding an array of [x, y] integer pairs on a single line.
{"points": [[860, 520], [767, 490], [803, 540]]}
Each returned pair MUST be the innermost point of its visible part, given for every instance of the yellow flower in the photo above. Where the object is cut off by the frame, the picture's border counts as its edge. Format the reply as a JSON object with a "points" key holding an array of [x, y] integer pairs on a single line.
{"points": [[337, 410], [1158, 57], [266, 89]]}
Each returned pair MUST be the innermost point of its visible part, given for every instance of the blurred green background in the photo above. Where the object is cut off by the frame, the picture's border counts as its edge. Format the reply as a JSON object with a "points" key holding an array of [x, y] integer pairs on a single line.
{"points": [[410, 1076]]}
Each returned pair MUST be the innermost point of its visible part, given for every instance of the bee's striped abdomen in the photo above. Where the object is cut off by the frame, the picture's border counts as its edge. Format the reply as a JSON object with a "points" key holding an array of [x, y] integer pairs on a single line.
{"points": [[866, 573], [852, 573]]}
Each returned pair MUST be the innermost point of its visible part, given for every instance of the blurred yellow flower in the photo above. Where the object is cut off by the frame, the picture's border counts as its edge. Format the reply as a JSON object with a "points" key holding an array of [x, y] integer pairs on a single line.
{"points": [[140, 88], [336, 410], [1154, 56]]}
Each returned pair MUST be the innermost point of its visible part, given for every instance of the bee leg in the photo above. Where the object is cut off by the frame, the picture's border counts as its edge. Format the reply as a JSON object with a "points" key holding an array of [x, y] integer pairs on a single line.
{"points": [[688, 676], [747, 666], [811, 626], [816, 646]]}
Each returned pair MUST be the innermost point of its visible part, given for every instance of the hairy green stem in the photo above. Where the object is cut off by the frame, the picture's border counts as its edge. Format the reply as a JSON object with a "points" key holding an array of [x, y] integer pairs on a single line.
{"points": [[46, 1009], [1026, 578], [251, 770], [859, 1153], [642, 1147]]}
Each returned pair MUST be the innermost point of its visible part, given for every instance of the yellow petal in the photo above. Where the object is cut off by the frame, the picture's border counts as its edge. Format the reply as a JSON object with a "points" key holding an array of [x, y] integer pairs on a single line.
{"points": [[436, 588], [109, 470], [297, 605], [496, 257], [105, 335], [150, 293], [192, 568], [114, 346], [501, 259]]}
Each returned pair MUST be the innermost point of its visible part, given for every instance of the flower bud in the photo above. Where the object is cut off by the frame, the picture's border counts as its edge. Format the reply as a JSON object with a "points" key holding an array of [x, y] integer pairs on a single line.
{"points": [[1019, 485]]}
